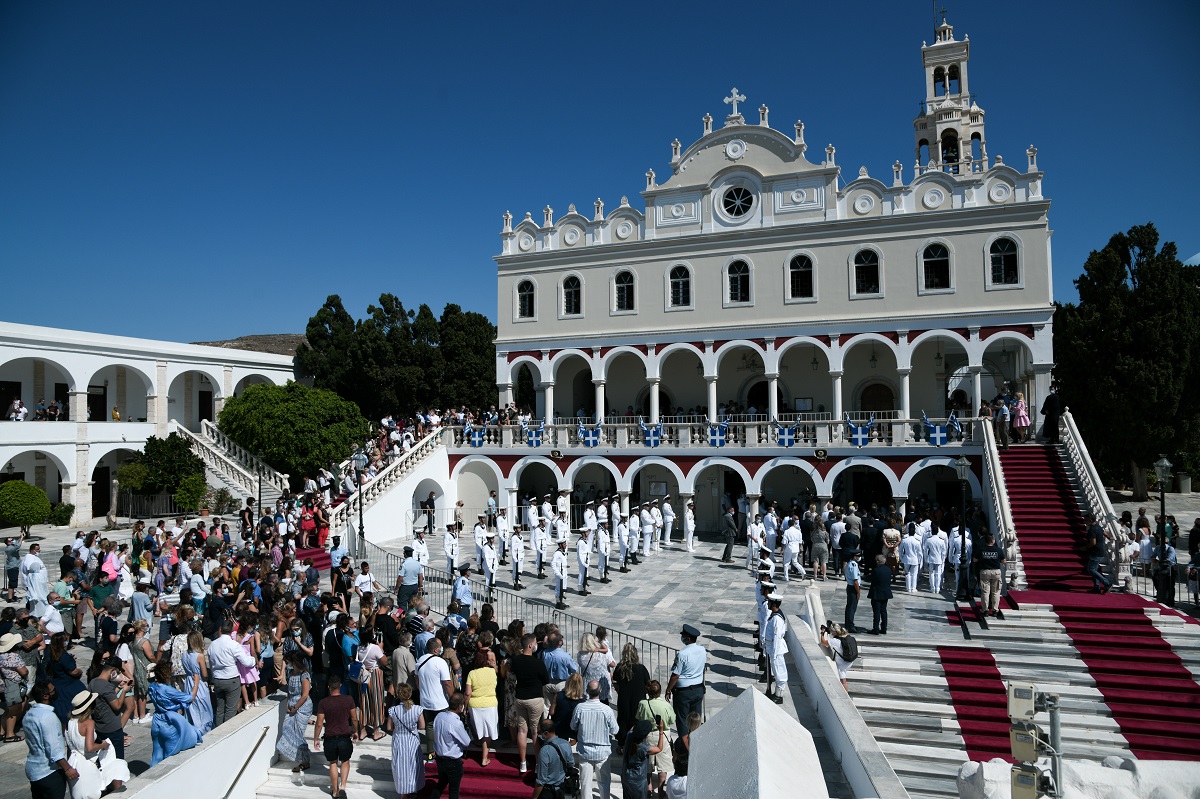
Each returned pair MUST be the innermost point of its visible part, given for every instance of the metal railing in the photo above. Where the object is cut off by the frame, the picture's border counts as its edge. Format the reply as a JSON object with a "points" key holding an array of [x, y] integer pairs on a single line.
{"points": [[509, 605]]}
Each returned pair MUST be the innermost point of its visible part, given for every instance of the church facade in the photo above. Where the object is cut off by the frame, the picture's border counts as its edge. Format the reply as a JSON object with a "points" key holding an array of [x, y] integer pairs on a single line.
{"points": [[763, 326]]}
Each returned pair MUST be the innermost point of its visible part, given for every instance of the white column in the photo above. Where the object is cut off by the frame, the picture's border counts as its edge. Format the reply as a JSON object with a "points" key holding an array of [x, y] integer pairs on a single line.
{"points": [[624, 502], [753, 500], [654, 400], [905, 409], [505, 394], [1041, 388], [162, 413], [83, 476], [976, 387], [712, 399], [548, 392], [600, 406], [773, 396], [837, 395]]}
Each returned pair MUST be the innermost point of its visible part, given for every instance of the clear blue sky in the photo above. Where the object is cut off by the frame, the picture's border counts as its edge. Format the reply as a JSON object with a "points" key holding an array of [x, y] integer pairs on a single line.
{"points": [[195, 171]]}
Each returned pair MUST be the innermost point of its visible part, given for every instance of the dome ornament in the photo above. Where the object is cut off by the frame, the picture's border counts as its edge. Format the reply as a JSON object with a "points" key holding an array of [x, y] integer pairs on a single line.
{"points": [[732, 100]]}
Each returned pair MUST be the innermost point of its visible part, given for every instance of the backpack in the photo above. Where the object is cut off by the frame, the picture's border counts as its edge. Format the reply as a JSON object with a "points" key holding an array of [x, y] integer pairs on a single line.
{"points": [[849, 649]]}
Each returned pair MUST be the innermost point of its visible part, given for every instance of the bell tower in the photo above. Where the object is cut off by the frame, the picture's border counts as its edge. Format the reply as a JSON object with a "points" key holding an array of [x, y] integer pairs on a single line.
{"points": [[949, 131]]}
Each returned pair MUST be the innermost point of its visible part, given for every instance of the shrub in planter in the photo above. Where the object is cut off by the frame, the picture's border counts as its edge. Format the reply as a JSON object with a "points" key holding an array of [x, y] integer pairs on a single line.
{"points": [[60, 514], [22, 504]]}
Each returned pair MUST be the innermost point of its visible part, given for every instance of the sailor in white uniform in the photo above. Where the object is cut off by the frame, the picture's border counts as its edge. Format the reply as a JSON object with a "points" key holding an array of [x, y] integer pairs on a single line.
{"points": [[583, 551], [560, 567], [771, 528], [622, 534], [776, 648], [480, 532], [689, 526], [754, 540], [531, 513], [635, 531], [516, 550], [420, 547], [590, 519], [656, 514], [503, 532], [491, 560], [668, 514], [548, 509], [648, 530], [541, 547], [450, 547], [604, 550]]}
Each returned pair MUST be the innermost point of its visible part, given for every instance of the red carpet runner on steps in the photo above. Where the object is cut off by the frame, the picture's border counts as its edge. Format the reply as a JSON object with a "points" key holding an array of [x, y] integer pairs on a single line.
{"points": [[1049, 524], [980, 701], [320, 558], [499, 780]]}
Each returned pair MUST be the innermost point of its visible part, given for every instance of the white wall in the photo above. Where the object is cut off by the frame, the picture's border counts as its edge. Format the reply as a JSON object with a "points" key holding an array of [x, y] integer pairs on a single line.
{"points": [[389, 518]]}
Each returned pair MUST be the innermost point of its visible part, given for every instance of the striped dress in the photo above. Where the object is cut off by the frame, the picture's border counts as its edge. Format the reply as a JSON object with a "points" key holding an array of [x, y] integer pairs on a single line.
{"points": [[408, 767]]}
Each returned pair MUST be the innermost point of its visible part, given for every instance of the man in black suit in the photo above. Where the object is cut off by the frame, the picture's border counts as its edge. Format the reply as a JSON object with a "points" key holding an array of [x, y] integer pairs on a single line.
{"points": [[1052, 409], [729, 531], [879, 593]]}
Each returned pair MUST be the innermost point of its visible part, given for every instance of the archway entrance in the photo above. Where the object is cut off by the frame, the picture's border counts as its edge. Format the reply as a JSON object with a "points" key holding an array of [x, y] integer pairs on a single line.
{"points": [[716, 488], [757, 401], [863, 485], [877, 397]]}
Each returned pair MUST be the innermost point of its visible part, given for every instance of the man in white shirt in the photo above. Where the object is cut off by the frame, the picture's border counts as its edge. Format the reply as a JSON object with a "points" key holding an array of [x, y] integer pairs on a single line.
{"points": [[583, 553], [480, 532], [689, 526], [622, 533], [648, 531], [436, 682], [775, 645], [450, 547], [793, 544], [635, 530], [656, 515], [602, 515], [836, 528], [51, 620], [563, 504], [224, 656], [560, 567], [548, 509], [668, 514], [420, 547], [562, 530], [531, 513], [590, 520], [754, 539], [604, 548], [910, 558], [516, 550], [491, 560], [771, 528], [503, 531], [541, 547], [935, 560], [955, 550], [365, 582]]}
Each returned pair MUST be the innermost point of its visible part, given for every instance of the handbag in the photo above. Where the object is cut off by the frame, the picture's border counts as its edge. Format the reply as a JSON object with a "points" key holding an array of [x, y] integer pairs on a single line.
{"points": [[356, 673], [570, 783]]}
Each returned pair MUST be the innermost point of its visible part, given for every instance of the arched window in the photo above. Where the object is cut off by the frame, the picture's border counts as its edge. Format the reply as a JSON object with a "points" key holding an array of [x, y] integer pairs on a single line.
{"points": [[939, 82], [866, 272], [525, 300], [739, 282], [950, 152], [800, 278], [572, 296], [1006, 270], [935, 262], [952, 80], [624, 287], [681, 287]]}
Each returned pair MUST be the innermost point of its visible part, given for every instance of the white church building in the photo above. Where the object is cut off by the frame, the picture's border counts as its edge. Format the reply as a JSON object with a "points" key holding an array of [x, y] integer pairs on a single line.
{"points": [[757, 280]]}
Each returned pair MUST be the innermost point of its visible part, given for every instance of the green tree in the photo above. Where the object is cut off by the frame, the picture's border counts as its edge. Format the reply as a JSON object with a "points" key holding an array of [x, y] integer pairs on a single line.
{"points": [[525, 392], [325, 356], [427, 356], [296, 429], [1127, 354], [467, 345], [22, 504], [382, 355], [168, 461], [190, 492]]}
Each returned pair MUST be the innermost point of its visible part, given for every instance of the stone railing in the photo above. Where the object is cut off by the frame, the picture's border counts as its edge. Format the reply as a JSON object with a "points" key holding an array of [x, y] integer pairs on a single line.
{"points": [[627, 433], [217, 460], [1000, 510], [242, 456], [1093, 488], [385, 480]]}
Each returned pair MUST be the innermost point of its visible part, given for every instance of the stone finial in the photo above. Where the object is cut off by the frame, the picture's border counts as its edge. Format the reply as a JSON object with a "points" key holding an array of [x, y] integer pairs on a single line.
{"points": [[599, 209], [571, 209], [528, 216], [762, 115], [707, 120], [548, 216], [675, 148], [800, 136], [1032, 153], [829, 151], [897, 171], [508, 222], [862, 171], [624, 201], [999, 160], [650, 184]]}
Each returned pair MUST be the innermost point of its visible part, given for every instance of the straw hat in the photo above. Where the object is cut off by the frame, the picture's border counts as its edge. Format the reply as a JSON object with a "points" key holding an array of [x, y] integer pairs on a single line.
{"points": [[82, 702], [8, 641]]}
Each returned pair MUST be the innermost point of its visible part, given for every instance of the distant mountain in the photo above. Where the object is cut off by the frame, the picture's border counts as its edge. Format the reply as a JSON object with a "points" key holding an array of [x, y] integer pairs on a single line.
{"points": [[275, 343], [1194, 260]]}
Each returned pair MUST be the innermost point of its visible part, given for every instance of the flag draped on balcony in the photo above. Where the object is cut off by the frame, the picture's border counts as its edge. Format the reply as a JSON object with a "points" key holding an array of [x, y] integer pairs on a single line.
{"points": [[937, 432], [533, 437], [954, 424], [717, 433], [475, 436], [787, 435], [589, 436], [654, 435], [860, 434]]}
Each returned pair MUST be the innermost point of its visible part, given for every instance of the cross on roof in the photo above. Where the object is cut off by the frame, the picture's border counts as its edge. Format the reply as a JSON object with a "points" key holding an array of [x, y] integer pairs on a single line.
{"points": [[734, 98]]}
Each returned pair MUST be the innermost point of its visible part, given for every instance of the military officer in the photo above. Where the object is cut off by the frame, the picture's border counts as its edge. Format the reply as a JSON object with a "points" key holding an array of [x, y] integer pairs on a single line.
{"points": [[491, 560], [668, 514], [689, 526], [583, 553], [480, 532], [541, 547], [649, 534], [450, 547], [775, 646], [516, 550], [604, 549], [559, 566], [420, 547]]}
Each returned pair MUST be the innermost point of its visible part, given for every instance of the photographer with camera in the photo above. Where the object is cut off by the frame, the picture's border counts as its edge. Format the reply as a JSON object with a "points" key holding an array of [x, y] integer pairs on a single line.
{"points": [[842, 645]]}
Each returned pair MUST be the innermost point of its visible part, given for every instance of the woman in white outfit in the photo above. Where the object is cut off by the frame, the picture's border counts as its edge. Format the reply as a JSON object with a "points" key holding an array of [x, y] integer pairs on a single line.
{"points": [[97, 763]]}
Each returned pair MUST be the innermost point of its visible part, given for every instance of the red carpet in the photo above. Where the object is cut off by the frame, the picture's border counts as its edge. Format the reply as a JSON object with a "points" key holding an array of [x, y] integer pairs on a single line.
{"points": [[320, 557], [980, 701], [1049, 524], [500, 780], [1153, 697]]}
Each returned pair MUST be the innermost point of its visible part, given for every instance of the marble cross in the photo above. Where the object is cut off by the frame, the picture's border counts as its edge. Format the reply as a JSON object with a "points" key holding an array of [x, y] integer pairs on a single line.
{"points": [[734, 98]]}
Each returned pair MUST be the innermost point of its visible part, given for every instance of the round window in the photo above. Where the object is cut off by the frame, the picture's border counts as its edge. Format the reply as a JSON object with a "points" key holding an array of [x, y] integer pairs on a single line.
{"points": [[737, 202]]}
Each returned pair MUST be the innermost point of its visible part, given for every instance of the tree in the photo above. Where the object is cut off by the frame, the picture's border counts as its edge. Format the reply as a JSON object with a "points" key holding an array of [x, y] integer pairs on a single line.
{"points": [[330, 334], [23, 505], [296, 429], [427, 356], [191, 492], [168, 461], [1127, 354], [468, 348]]}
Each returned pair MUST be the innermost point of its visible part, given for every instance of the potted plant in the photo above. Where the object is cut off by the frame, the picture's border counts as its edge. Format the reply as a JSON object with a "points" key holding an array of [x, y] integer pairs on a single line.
{"points": [[1187, 463]]}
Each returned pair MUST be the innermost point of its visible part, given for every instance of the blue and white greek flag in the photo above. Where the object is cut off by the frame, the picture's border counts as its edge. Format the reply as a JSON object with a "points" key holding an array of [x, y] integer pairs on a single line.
{"points": [[717, 433], [860, 434], [589, 437], [475, 437], [653, 435], [954, 424], [937, 432], [533, 437], [787, 435]]}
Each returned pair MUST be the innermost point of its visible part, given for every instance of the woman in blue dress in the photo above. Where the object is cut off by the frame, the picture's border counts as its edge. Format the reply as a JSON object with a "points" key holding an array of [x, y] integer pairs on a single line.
{"points": [[292, 744], [60, 668], [195, 666], [171, 732]]}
